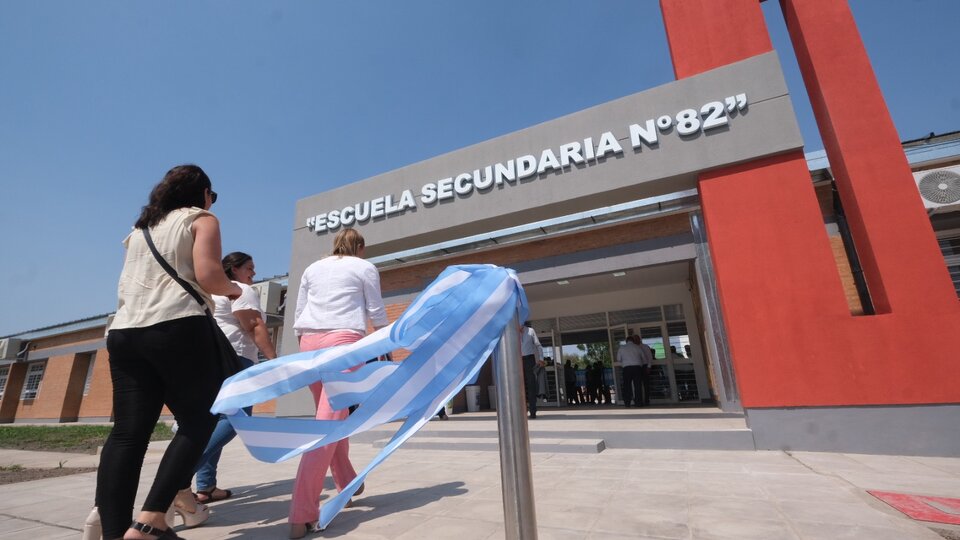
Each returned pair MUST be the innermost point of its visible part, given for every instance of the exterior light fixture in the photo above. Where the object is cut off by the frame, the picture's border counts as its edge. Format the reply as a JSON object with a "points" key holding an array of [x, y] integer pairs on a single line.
{"points": [[619, 274], [563, 282]]}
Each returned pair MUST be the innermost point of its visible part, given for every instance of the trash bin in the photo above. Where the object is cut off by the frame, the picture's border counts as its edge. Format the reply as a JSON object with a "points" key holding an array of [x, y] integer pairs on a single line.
{"points": [[473, 398], [492, 392]]}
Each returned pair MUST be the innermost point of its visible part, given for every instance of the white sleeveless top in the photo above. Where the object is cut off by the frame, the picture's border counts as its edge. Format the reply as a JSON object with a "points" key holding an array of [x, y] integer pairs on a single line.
{"points": [[147, 294]]}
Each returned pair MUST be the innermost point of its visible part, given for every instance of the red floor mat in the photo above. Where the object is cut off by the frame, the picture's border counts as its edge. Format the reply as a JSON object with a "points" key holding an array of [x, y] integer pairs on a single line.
{"points": [[922, 507]]}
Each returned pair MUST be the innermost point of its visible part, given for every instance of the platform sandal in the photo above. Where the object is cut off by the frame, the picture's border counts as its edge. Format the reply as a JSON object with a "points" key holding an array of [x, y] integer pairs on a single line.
{"points": [[181, 506]]}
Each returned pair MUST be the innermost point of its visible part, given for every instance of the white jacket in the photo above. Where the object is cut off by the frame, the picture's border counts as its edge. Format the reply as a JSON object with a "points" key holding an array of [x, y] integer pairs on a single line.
{"points": [[339, 293]]}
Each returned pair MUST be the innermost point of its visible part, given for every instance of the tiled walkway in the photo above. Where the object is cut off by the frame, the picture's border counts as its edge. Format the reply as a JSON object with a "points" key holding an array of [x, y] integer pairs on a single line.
{"points": [[617, 493]]}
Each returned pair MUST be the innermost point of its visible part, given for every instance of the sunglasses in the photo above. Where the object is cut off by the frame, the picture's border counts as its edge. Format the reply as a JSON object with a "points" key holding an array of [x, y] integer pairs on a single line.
{"points": [[213, 196]]}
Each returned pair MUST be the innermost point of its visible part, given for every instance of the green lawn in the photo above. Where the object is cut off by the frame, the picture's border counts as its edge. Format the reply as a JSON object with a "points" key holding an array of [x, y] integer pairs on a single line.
{"points": [[82, 439]]}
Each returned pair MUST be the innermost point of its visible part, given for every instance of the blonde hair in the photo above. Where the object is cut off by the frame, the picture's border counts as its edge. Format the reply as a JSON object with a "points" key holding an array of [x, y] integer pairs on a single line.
{"points": [[348, 242]]}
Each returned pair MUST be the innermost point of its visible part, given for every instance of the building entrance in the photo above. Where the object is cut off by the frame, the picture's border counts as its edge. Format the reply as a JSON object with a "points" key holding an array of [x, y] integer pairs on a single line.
{"points": [[581, 366], [580, 348]]}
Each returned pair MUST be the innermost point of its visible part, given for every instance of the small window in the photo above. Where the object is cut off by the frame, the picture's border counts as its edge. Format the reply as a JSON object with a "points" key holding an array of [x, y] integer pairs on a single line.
{"points": [[4, 374], [31, 387], [91, 359]]}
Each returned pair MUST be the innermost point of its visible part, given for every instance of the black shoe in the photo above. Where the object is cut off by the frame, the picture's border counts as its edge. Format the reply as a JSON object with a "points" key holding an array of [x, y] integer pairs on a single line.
{"points": [[533, 416], [165, 534]]}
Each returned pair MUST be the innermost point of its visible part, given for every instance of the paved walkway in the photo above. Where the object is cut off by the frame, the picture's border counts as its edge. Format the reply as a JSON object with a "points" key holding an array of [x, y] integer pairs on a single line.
{"points": [[616, 493]]}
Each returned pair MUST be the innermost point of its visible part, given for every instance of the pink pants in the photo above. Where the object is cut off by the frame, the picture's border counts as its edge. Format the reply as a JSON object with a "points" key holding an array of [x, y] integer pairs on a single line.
{"points": [[305, 503]]}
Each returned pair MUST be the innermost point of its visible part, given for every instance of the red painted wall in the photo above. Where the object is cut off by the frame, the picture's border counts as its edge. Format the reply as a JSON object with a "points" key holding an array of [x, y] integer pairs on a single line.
{"points": [[791, 334]]}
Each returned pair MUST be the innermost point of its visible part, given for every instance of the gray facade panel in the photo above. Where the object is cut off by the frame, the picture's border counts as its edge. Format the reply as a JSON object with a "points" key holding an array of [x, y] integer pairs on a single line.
{"points": [[767, 126], [919, 430]]}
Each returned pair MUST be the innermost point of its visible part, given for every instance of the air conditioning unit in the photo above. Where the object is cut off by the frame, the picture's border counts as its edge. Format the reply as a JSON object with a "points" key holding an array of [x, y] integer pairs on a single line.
{"points": [[270, 292], [939, 188], [9, 348]]}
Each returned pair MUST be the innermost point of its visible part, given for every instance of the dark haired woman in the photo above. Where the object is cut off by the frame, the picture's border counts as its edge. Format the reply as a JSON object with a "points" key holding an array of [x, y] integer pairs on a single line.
{"points": [[162, 352], [338, 295], [242, 321]]}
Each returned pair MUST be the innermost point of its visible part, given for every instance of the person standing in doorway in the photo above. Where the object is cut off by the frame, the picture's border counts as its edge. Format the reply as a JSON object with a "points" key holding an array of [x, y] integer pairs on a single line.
{"points": [[532, 356], [648, 357], [632, 358], [593, 382], [570, 382]]}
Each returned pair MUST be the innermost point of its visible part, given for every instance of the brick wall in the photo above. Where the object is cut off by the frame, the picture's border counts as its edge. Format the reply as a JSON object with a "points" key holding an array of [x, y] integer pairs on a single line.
{"points": [[824, 194], [98, 403], [61, 389], [73, 393], [11, 394], [393, 313], [53, 388]]}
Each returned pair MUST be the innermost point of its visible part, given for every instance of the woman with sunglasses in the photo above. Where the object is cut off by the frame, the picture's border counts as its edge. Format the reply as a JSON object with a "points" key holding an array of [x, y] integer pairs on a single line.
{"points": [[162, 352]]}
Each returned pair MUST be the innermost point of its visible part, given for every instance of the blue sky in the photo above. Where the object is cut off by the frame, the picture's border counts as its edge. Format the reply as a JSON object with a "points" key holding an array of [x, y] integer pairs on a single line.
{"points": [[281, 100]]}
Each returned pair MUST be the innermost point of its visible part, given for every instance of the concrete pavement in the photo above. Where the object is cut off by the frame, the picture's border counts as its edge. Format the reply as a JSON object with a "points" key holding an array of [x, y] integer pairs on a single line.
{"points": [[439, 492]]}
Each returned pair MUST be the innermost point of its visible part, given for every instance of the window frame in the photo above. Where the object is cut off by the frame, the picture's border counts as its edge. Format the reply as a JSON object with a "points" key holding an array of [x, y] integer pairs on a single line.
{"points": [[37, 369], [4, 377], [92, 359]]}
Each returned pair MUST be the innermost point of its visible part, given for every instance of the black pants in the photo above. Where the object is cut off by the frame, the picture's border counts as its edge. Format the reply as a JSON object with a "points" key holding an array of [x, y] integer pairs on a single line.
{"points": [[172, 363], [636, 385], [530, 382]]}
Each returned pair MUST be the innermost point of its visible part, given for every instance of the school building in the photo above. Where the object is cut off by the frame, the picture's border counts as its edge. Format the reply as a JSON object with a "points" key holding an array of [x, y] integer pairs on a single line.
{"points": [[815, 293]]}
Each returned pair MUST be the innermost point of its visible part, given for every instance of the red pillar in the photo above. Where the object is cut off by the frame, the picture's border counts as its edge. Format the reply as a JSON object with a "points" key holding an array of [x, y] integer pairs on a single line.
{"points": [[791, 335], [898, 250], [706, 34]]}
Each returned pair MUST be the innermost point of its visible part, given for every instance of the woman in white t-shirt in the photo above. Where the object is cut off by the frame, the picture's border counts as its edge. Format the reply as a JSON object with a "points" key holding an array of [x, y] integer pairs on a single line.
{"points": [[243, 322]]}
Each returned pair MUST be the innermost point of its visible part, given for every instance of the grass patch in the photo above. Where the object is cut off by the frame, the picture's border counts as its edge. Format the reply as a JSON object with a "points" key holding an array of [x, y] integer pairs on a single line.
{"points": [[82, 439]]}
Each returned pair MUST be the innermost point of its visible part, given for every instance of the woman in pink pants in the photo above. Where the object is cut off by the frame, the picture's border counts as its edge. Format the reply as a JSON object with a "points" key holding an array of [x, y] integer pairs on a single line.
{"points": [[338, 295]]}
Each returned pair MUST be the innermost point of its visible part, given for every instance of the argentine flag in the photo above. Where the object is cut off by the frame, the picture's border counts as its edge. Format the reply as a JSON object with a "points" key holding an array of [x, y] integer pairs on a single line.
{"points": [[450, 330]]}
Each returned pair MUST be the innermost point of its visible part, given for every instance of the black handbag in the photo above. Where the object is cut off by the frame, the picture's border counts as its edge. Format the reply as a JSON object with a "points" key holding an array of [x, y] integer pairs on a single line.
{"points": [[227, 357]]}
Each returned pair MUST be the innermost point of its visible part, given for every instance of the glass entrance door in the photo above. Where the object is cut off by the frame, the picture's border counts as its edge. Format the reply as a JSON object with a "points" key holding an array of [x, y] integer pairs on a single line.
{"points": [[662, 386], [589, 353], [618, 337], [681, 363], [673, 376]]}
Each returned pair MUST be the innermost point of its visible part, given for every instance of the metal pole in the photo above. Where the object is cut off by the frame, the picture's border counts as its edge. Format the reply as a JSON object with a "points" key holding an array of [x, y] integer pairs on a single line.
{"points": [[516, 478]]}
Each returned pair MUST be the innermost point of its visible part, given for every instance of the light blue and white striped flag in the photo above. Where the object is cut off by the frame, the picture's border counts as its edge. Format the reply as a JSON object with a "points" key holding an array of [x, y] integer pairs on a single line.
{"points": [[450, 330]]}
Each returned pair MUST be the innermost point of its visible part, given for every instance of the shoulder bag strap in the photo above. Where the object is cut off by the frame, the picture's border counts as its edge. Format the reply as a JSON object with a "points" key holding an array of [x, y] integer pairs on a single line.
{"points": [[173, 273]]}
